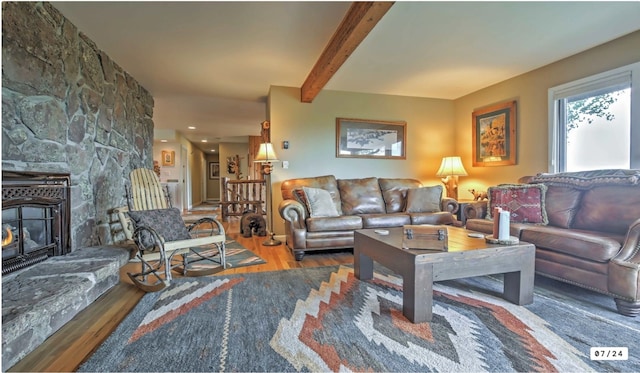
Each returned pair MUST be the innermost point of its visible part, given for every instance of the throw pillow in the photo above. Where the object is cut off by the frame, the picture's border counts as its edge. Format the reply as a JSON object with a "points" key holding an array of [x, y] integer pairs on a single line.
{"points": [[298, 195], [168, 223], [394, 192], [319, 203], [525, 202], [425, 199]]}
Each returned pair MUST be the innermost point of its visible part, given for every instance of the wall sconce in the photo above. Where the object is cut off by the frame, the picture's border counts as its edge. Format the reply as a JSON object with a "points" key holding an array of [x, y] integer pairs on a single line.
{"points": [[450, 169]]}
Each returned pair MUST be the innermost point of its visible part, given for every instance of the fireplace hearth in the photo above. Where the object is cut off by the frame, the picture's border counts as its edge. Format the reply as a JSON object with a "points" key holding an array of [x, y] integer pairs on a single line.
{"points": [[35, 218]]}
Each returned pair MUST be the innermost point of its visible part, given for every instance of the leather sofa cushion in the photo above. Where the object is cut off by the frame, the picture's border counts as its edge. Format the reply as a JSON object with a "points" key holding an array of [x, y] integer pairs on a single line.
{"points": [[394, 192], [581, 244], [434, 218], [486, 226], [361, 196], [385, 220], [328, 183], [561, 204], [338, 223], [608, 209]]}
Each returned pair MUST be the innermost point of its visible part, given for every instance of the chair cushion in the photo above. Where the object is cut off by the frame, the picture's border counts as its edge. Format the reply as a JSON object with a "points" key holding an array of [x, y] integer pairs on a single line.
{"points": [[167, 223], [425, 199], [319, 203], [525, 202]]}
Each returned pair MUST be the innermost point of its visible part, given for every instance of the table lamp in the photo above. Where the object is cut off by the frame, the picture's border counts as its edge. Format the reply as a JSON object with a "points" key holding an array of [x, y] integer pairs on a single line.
{"points": [[450, 169], [266, 156]]}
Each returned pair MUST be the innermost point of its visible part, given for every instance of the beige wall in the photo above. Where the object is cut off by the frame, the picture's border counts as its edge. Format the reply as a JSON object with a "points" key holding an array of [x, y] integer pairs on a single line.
{"points": [[197, 164], [310, 130], [531, 91], [195, 161], [231, 149]]}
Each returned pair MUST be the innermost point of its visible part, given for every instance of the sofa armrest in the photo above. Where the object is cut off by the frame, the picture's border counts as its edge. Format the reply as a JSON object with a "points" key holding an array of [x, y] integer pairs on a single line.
{"points": [[475, 210], [294, 213], [450, 205], [624, 268], [630, 251]]}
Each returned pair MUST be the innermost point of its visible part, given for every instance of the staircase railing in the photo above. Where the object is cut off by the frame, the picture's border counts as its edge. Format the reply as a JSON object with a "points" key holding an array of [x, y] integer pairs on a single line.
{"points": [[239, 196]]}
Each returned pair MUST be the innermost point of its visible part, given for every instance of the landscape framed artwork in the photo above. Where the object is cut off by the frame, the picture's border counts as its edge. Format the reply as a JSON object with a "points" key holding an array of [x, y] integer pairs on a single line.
{"points": [[494, 135], [363, 138], [168, 158], [214, 170]]}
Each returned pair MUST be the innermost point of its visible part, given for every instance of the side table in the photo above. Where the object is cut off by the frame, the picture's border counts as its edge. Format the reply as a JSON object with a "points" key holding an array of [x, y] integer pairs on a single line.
{"points": [[460, 214]]}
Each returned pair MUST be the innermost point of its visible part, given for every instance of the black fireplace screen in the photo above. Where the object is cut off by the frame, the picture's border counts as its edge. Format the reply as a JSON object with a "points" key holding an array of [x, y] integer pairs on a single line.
{"points": [[35, 218]]}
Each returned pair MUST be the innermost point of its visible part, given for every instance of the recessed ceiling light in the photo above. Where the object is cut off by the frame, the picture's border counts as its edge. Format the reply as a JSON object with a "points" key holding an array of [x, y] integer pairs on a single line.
{"points": [[164, 141], [191, 127], [203, 140], [213, 150]]}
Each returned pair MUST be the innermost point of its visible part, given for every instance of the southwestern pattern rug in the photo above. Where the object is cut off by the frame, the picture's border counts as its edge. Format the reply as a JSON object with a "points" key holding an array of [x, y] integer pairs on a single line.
{"points": [[324, 319], [236, 256]]}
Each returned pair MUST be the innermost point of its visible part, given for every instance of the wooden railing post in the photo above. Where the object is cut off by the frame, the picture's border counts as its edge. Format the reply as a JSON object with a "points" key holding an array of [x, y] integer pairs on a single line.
{"points": [[239, 196]]}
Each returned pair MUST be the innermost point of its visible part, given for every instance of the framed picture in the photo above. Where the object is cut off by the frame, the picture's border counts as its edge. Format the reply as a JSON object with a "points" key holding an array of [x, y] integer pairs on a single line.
{"points": [[494, 135], [214, 170], [168, 158], [361, 138]]}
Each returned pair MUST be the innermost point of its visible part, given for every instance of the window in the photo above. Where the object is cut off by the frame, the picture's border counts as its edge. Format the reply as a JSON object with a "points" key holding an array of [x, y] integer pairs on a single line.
{"points": [[594, 122]]}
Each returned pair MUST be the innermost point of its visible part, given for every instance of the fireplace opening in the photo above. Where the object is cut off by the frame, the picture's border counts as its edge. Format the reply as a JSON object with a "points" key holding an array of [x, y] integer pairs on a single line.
{"points": [[35, 218]]}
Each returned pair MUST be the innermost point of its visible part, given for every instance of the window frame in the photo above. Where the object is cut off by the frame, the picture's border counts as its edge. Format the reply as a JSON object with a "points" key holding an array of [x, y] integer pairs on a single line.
{"points": [[629, 73]]}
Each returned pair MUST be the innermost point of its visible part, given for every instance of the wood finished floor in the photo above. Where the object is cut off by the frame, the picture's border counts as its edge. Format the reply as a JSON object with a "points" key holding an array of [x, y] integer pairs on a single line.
{"points": [[65, 350]]}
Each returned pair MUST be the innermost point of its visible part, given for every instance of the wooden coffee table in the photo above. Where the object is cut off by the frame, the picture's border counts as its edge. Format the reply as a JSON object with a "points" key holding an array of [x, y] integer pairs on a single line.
{"points": [[466, 257]]}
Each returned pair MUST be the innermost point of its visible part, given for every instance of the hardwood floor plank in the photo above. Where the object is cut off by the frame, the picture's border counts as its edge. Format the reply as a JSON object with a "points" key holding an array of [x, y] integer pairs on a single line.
{"points": [[68, 348]]}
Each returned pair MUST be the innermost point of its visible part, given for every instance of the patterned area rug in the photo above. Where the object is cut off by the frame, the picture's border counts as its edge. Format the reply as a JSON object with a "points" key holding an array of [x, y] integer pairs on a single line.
{"points": [[236, 256], [324, 319]]}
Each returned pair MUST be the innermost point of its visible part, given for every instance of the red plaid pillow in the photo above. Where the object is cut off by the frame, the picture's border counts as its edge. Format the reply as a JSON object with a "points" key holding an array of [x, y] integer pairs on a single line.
{"points": [[525, 202]]}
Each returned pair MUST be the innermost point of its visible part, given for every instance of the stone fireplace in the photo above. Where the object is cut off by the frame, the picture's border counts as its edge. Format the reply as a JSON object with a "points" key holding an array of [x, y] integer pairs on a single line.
{"points": [[35, 218], [78, 123], [67, 108]]}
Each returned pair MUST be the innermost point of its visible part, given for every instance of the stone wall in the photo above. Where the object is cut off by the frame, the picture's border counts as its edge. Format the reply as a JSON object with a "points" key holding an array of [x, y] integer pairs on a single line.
{"points": [[67, 107]]}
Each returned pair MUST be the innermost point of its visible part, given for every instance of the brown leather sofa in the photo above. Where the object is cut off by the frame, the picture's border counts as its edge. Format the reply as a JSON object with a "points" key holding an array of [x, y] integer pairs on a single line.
{"points": [[360, 203], [592, 239]]}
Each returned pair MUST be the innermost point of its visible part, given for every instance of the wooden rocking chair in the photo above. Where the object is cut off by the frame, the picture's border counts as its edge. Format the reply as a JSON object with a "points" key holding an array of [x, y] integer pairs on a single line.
{"points": [[163, 240]]}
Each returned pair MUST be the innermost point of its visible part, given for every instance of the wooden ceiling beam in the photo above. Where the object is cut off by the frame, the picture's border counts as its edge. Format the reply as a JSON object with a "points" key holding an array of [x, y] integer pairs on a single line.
{"points": [[356, 25]]}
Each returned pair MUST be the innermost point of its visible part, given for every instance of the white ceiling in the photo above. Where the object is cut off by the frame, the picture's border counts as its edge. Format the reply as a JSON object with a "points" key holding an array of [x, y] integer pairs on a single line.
{"points": [[210, 64]]}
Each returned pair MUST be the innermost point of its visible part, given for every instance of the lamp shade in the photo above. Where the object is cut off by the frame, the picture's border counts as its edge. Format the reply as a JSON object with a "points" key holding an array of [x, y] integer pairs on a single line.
{"points": [[266, 154], [451, 166]]}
